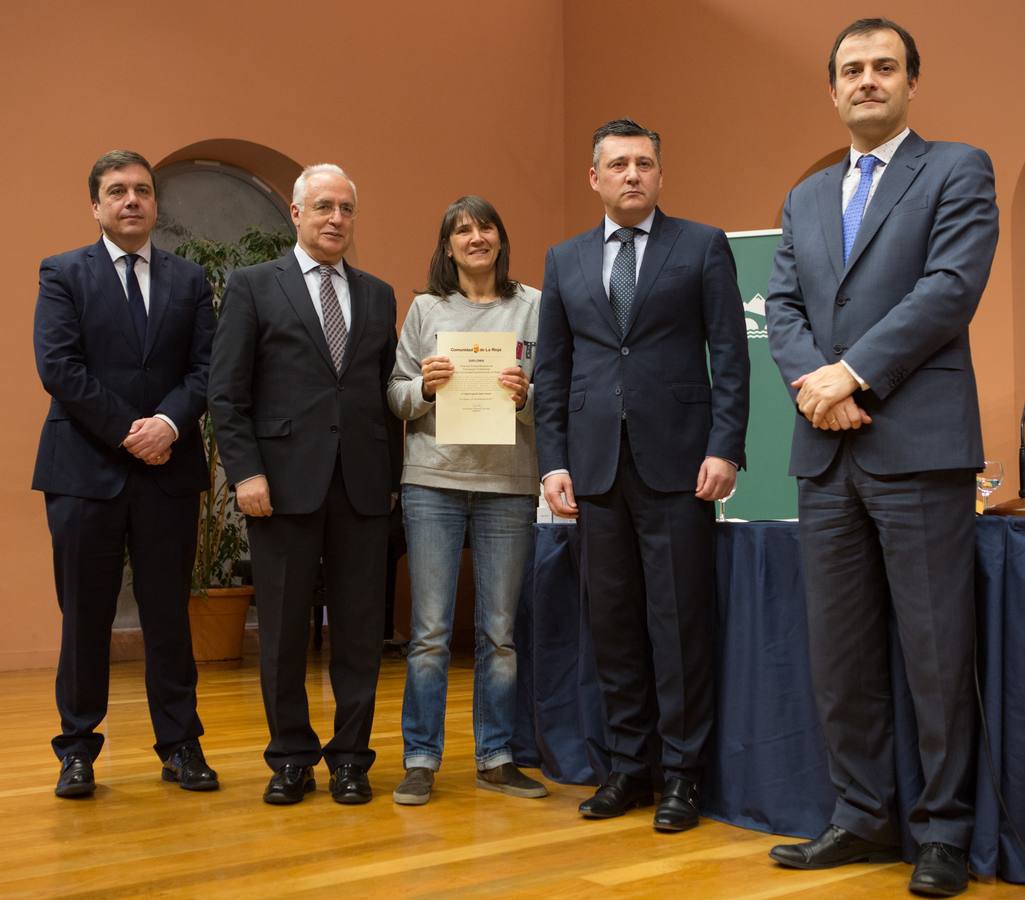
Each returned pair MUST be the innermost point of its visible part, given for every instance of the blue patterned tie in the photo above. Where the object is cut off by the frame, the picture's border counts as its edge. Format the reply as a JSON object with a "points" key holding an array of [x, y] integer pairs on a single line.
{"points": [[623, 280], [136, 305], [856, 207]]}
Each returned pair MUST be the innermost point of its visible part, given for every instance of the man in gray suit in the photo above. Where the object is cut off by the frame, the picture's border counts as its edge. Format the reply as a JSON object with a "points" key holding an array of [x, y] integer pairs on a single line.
{"points": [[881, 265]]}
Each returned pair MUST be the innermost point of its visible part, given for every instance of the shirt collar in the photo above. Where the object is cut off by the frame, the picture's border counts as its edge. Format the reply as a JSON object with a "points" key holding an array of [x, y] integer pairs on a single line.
{"points": [[644, 225], [884, 153], [307, 263], [145, 251]]}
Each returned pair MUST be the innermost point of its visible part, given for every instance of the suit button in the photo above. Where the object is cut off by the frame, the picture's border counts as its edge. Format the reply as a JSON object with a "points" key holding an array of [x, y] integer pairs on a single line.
{"points": [[625, 351], [839, 348], [619, 391], [842, 301], [333, 429]]}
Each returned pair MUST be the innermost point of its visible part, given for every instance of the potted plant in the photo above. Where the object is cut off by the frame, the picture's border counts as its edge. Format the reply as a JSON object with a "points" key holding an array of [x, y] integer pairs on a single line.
{"points": [[220, 601]]}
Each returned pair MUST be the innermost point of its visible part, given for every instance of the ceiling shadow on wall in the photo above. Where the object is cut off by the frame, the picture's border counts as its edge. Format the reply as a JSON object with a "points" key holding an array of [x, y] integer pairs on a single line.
{"points": [[830, 159]]}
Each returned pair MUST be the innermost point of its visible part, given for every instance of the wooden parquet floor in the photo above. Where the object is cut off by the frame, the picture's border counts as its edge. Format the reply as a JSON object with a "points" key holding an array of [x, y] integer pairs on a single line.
{"points": [[142, 837]]}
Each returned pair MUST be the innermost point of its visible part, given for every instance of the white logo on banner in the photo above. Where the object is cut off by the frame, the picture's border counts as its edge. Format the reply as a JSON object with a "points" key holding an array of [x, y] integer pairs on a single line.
{"points": [[754, 318]]}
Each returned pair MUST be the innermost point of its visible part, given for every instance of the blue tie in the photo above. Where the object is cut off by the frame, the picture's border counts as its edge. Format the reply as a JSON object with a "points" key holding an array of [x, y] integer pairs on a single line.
{"points": [[856, 208], [623, 280], [136, 305]]}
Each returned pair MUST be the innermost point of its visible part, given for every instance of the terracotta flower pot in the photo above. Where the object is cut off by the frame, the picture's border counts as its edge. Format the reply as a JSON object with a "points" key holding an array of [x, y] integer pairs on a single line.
{"points": [[218, 623]]}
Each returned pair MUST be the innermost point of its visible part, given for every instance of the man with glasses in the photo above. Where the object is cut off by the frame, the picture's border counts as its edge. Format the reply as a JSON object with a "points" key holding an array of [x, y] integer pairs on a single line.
{"points": [[301, 361]]}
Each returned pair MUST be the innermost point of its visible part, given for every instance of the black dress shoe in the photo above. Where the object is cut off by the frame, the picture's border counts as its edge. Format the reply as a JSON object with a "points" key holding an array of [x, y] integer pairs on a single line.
{"points": [[289, 785], [76, 777], [941, 871], [834, 847], [678, 808], [618, 794], [188, 767], [349, 784]]}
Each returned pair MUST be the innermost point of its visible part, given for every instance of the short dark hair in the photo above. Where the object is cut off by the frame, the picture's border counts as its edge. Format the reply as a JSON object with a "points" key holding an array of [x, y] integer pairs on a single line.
{"points": [[623, 128], [442, 274], [115, 159], [866, 26]]}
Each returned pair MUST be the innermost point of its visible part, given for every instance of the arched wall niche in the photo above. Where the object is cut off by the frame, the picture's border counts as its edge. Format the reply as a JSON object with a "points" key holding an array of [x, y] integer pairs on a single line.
{"points": [[275, 169]]}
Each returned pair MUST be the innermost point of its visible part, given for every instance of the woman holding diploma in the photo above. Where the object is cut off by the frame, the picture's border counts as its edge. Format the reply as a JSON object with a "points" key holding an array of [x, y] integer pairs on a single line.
{"points": [[490, 489]]}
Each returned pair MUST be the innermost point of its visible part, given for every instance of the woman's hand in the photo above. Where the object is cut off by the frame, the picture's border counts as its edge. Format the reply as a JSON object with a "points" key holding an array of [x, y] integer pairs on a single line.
{"points": [[515, 381], [436, 370]]}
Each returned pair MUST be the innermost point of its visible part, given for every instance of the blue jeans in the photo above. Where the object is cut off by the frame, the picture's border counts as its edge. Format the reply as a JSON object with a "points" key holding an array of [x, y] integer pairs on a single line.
{"points": [[436, 520]]}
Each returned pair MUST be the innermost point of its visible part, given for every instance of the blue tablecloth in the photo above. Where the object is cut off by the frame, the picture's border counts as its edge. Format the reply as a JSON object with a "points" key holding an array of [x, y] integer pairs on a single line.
{"points": [[768, 762]]}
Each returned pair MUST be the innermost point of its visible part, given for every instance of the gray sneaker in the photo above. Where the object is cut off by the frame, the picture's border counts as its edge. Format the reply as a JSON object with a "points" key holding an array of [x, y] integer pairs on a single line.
{"points": [[415, 788], [507, 779]]}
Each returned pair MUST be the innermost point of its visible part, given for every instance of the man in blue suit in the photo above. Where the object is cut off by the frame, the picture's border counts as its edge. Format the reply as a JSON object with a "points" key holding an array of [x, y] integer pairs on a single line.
{"points": [[122, 341], [635, 438], [881, 265]]}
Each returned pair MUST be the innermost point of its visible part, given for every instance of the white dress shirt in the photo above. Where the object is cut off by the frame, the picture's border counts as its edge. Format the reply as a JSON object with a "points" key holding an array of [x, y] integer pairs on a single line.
{"points": [[145, 253], [311, 272], [884, 153]]}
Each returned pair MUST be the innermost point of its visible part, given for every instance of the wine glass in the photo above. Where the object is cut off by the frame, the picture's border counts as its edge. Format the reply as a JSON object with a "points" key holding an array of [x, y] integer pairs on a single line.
{"points": [[989, 479], [722, 505]]}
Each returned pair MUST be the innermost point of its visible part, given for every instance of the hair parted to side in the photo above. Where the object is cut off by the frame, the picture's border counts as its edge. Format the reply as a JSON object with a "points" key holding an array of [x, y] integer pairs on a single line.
{"points": [[115, 159], [442, 274], [623, 128], [867, 26], [299, 188]]}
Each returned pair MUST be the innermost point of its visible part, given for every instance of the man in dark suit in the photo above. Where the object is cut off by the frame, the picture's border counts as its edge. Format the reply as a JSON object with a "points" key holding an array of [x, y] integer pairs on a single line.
{"points": [[122, 342], [881, 265], [301, 361], [634, 437]]}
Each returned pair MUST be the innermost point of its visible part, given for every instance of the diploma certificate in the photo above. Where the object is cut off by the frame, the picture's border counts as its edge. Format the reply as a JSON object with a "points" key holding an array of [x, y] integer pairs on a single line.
{"points": [[472, 407]]}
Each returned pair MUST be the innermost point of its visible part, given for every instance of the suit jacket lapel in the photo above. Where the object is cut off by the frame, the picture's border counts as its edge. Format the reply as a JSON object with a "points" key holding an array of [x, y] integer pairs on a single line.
{"points": [[293, 284], [358, 301], [111, 292], [591, 250], [829, 196], [660, 242], [160, 277], [896, 179]]}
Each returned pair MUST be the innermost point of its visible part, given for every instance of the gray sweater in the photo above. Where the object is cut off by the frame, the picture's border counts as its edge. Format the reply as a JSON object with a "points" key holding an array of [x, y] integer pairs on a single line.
{"points": [[500, 468]]}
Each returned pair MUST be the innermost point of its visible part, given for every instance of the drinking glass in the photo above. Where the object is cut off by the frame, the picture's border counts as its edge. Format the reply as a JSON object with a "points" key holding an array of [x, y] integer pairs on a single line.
{"points": [[989, 479], [722, 505]]}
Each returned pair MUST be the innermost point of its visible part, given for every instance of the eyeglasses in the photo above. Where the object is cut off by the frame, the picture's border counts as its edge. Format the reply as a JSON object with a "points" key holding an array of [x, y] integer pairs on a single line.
{"points": [[326, 208]]}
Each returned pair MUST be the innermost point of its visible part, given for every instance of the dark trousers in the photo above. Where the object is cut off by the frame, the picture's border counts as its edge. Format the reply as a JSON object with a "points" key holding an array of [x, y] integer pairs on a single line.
{"points": [[287, 551], [648, 559], [89, 540], [868, 543]]}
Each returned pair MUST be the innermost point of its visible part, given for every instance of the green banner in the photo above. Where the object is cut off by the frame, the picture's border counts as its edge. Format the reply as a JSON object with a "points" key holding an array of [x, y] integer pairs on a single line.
{"points": [[764, 490]]}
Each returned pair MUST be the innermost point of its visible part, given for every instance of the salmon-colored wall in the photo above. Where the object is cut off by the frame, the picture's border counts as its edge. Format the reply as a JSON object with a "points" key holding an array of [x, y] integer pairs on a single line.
{"points": [[422, 102], [739, 92]]}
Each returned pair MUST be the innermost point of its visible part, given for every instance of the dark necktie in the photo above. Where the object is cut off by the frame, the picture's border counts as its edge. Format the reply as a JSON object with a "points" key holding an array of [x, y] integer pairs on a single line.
{"points": [[136, 305], [334, 322], [856, 207], [623, 280]]}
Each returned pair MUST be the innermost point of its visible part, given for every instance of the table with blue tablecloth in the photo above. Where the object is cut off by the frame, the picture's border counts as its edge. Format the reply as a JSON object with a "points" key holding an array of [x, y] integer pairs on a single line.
{"points": [[768, 761]]}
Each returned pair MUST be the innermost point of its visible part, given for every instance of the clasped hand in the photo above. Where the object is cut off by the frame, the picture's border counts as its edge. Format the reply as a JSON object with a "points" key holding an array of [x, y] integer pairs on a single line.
{"points": [[824, 399], [150, 440]]}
